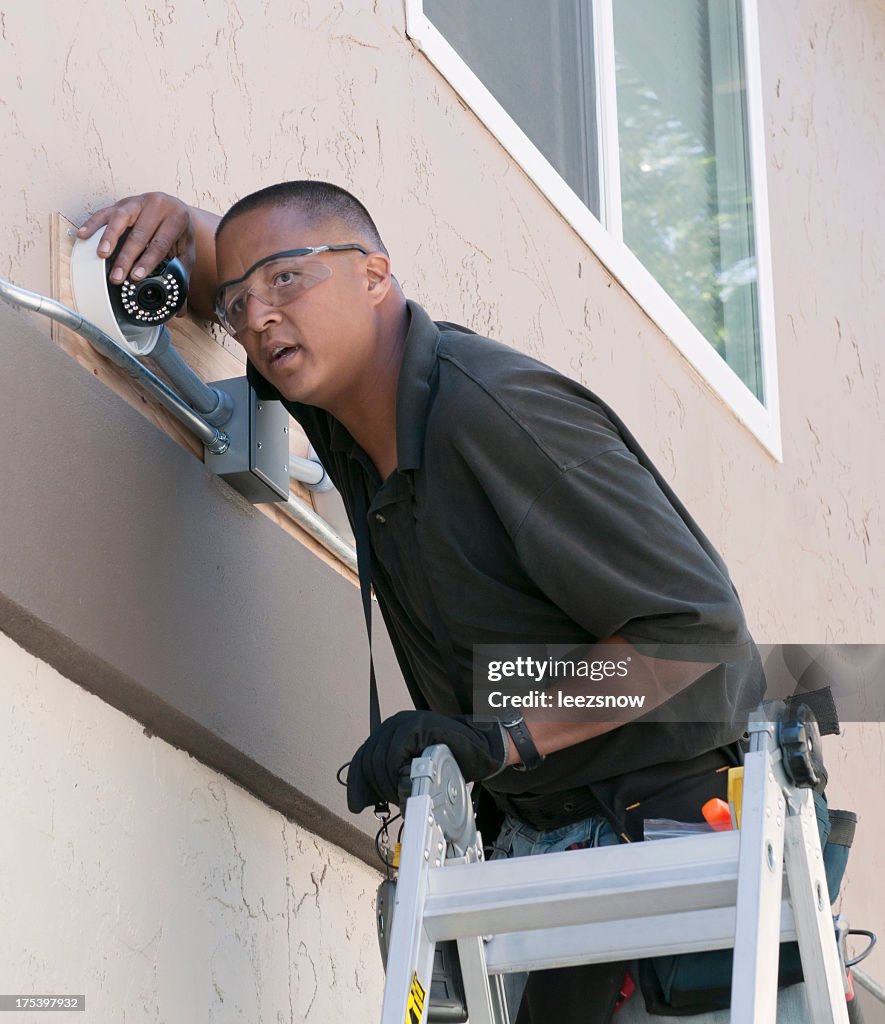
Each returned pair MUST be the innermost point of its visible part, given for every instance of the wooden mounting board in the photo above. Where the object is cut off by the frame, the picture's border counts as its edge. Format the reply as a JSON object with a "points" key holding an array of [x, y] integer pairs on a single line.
{"points": [[203, 353]]}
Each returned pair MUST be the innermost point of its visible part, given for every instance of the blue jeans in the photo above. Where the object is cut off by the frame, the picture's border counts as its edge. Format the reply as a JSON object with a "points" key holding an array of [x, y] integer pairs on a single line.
{"points": [[517, 839]]}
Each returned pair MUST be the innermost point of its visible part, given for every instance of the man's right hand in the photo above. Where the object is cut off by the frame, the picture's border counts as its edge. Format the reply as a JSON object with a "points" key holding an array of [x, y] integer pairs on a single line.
{"points": [[161, 227]]}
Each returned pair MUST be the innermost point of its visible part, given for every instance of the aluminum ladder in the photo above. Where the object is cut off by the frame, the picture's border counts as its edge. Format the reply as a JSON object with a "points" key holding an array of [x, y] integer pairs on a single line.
{"points": [[715, 891]]}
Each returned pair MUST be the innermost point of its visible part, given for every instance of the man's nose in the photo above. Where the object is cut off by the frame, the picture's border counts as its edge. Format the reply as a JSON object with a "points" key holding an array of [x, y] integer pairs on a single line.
{"points": [[259, 313]]}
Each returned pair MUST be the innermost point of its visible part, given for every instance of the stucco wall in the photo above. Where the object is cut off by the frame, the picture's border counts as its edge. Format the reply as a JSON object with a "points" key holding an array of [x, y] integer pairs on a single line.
{"points": [[213, 101], [162, 891]]}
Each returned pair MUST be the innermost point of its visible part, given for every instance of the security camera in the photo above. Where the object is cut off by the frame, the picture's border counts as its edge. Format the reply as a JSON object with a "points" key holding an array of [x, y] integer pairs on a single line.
{"points": [[132, 313]]}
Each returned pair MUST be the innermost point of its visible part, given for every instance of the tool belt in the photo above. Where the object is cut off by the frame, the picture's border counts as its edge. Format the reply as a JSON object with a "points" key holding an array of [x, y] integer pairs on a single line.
{"points": [[550, 811], [675, 790]]}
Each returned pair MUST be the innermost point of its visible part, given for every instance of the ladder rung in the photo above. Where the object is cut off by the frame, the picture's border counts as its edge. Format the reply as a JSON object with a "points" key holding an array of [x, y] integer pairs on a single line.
{"points": [[599, 886], [619, 940]]}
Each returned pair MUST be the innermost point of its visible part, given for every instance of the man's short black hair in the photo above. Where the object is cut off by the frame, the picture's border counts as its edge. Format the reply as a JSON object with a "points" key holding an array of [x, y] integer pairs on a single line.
{"points": [[318, 200]]}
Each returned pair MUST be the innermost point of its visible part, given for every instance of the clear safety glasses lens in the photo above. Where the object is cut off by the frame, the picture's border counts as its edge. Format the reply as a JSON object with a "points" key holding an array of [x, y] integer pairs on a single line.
{"points": [[275, 284]]}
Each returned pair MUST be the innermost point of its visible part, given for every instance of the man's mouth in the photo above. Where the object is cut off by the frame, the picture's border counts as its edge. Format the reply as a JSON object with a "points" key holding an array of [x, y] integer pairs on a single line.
{"points": [[281, 354]]}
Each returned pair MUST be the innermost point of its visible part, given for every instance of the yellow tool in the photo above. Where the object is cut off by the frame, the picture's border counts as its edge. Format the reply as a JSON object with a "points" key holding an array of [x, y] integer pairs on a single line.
{"points": [[735, 793]]}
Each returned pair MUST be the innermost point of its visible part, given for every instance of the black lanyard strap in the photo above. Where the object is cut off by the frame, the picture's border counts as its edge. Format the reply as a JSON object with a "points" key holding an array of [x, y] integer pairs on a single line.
{"points": [[364, 565]]}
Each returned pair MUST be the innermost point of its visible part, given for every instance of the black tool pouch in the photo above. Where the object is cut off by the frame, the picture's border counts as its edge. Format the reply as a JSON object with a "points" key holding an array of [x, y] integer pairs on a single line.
{"points": [[692, 983], [447, 1003], [680, 986]]}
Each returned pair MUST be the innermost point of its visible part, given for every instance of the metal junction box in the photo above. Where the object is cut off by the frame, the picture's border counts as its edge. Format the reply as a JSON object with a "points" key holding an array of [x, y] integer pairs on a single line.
{"points": [[257, 462]]}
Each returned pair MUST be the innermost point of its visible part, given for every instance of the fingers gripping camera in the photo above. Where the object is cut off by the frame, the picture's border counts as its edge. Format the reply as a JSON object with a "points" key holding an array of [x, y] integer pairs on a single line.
{"points": [[132, 313]]}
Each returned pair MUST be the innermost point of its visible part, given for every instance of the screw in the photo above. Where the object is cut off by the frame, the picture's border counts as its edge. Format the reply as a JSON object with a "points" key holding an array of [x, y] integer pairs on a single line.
{"points": [[285, 430], [259, 446]]}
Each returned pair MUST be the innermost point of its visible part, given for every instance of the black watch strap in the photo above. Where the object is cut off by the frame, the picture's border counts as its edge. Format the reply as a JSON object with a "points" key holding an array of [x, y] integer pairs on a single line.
{"points": [[525, 745]]}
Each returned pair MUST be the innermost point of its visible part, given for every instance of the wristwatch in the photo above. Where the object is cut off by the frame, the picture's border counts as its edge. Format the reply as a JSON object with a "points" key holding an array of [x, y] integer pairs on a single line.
{"points": [[525, 745]]}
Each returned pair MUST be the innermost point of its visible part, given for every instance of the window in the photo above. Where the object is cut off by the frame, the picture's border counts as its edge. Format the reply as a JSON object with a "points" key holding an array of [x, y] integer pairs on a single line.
{"points": [[641, 121], [536, 59]]}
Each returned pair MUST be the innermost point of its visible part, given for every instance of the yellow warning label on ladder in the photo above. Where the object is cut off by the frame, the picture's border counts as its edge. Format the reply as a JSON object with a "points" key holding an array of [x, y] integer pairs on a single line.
{"points": [[415, 1005]]}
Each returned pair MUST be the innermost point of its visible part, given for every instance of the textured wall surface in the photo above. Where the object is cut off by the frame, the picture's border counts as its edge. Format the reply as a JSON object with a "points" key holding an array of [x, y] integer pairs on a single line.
{"points": [[162, 891], [212, 101]]}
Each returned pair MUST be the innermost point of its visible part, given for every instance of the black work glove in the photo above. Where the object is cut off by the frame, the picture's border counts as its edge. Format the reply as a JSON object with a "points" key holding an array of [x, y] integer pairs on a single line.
{"points": [[375, 769]]}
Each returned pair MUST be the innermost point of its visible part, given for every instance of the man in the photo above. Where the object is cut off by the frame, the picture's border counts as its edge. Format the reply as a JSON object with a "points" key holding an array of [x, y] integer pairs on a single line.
{"points": [[503, 504]]}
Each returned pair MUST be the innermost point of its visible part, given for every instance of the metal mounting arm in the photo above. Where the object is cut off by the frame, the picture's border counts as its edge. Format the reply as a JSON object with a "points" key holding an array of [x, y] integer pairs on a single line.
{"points": [[215, 440]]}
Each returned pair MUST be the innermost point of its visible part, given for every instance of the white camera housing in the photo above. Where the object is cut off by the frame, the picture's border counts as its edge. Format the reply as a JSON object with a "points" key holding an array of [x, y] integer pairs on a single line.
{"points": [[93, 299]]}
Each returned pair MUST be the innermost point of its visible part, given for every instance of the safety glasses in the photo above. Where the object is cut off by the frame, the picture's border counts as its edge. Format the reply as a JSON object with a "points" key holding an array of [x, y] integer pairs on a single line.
{"points": [[275, 280]]}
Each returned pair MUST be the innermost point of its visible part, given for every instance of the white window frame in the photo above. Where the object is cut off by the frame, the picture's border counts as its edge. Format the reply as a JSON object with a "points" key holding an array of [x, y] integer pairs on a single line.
{"points": [[605, 236]]}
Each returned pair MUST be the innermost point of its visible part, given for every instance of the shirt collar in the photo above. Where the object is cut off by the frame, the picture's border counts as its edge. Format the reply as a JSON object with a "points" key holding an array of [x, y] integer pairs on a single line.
{"points": [[413, 392]]}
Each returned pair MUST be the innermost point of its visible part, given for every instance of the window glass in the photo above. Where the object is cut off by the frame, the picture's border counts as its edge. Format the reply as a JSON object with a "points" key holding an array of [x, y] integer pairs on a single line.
{"points": [[536, 59], [683, 151], [685, 181]]}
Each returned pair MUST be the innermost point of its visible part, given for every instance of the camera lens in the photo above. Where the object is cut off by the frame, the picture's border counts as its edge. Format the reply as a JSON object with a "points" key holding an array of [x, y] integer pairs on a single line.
{"points": [[151, 296], [155, 299]]}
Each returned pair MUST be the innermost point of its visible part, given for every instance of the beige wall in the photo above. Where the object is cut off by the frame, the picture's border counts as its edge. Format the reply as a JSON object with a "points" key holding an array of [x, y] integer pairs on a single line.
{"points": [[162, 891], [211, 101]]}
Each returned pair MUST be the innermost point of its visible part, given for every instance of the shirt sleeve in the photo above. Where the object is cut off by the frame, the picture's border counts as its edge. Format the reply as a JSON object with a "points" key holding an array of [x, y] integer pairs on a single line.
{"points": [[604, 543]]}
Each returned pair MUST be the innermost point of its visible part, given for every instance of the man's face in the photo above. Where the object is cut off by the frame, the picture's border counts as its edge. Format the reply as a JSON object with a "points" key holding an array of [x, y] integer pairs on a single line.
{"points": [[316, 347]]}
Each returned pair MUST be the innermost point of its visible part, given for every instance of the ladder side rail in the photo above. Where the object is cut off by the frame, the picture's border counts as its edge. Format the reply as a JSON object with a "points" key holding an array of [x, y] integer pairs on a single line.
{"points": [[479, 989], [410, 953], [759, 888], [821, 960]]}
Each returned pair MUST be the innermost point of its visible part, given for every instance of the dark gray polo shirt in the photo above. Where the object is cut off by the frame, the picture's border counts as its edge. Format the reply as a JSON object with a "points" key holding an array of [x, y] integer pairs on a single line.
{"points": [[523, 511]]}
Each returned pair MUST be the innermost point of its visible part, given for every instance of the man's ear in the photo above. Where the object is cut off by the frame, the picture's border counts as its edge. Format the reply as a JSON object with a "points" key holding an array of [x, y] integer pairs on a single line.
{"points": [[378, 275]]}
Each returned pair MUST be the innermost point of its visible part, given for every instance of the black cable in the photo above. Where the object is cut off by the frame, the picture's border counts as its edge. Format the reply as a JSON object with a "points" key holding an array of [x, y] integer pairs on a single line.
{"points": [[861, 956], [385, 823], [388, 865]]}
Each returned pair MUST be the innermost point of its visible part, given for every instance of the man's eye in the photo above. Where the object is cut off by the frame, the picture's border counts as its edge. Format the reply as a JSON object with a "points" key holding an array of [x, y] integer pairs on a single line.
{"points": [[284, 277], [236, 305]]}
